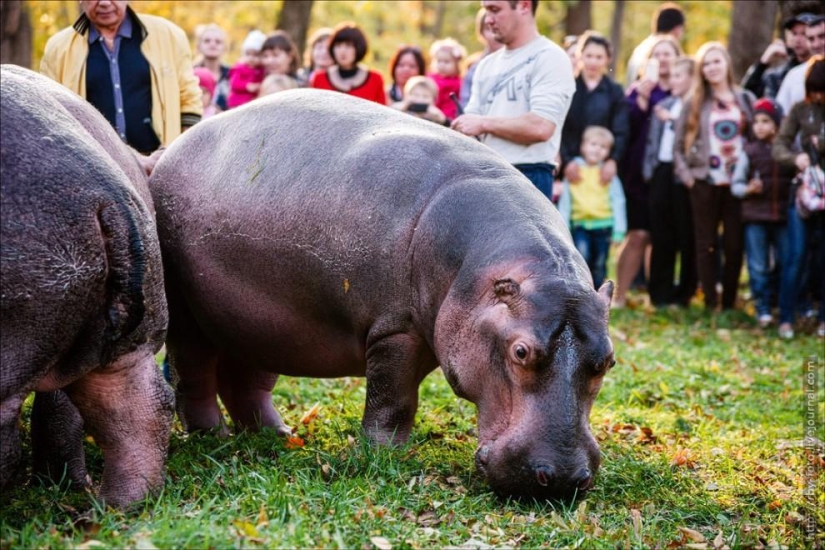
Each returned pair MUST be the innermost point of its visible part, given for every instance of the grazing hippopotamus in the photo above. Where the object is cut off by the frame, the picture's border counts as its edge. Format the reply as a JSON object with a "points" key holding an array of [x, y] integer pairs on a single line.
{"points": [[315, 234], [83, 308]]}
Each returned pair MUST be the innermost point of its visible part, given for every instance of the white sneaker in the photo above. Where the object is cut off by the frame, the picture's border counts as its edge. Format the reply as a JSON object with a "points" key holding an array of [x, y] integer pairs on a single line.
{"points": [[786, 331], [820, 331], [764, 320]]}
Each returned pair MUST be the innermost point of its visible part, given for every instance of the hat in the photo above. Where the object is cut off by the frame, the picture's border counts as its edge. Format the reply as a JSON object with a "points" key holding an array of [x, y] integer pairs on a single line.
{"points": [[769, 107], [253, 41], [207, 79], [807, 19]]}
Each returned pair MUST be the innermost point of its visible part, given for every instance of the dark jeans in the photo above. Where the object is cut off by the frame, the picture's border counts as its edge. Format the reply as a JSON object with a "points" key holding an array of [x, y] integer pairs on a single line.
{"points": [[793, 276], [594, 245], [671, 234], [763, 240], [541, 174], [712, 205]]}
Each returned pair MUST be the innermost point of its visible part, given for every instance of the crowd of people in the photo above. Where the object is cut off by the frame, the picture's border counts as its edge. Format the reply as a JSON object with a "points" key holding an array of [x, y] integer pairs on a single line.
{"points": [[690, 173]]}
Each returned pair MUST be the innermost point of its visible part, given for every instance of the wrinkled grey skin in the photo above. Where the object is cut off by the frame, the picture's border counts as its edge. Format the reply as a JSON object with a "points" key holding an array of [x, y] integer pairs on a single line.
{"points": [[313, 234], [83, 309]]}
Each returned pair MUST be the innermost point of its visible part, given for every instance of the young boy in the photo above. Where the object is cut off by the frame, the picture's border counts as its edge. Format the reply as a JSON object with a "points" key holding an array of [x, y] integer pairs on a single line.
{"points": [[764, 187], [671, 225], [594, 212]]}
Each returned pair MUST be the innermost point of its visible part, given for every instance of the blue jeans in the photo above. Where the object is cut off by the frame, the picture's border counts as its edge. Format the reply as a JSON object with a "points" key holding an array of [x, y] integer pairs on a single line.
{"points": [[761, 239], [594, 245], [541, 174], [792, 276]]}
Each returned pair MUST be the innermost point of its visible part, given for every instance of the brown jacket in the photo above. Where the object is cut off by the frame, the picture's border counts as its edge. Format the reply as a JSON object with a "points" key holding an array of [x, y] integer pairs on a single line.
{"points": [[806, 120], [693, 165]]}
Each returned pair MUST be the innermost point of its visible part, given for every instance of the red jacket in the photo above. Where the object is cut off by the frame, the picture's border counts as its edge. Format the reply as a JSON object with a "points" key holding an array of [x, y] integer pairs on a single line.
{"points": [[239, 76], [372, 89], [447, 85]]}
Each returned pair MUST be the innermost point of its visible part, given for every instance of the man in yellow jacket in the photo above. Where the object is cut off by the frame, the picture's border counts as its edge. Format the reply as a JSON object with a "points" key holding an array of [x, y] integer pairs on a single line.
{"points": [[135, 69]]}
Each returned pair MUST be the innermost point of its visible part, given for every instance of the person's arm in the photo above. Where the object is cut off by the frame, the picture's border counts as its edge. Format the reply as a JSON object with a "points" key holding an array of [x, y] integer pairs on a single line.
{"points": [[379, 96], [191, 97], [783, 146], [739, 183], [680, 165], [618, 205], [753, 79], [526, 129], [239, 77]]}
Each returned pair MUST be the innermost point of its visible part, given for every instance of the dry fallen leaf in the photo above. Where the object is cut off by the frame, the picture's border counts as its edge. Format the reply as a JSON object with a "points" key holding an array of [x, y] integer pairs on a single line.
{"points": [[311, 414], [682, 457], [294, 442], [636, 518], [690, 534], [381, 543]]}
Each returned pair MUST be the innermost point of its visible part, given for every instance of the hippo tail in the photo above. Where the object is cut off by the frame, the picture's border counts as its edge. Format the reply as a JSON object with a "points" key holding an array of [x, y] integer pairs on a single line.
{"points": [[126, 265]]}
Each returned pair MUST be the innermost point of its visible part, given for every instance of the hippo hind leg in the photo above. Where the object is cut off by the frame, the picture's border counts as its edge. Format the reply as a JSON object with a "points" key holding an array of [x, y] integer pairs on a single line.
{"points": [[247, 396], [194, 362], [128, 408], [57, 439]]}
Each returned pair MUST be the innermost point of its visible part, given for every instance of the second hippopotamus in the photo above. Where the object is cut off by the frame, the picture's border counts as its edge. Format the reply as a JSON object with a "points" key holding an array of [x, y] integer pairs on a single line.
{"points": [[315, 234]]}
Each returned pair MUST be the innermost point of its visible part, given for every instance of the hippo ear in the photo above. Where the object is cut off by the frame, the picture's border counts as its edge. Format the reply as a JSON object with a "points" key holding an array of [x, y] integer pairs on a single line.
{"points": [[606, 292], [506, 289]]}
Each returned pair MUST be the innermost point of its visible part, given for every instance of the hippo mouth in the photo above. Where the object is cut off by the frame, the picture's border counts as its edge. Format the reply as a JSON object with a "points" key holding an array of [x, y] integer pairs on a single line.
{"points": [[524, 480]]}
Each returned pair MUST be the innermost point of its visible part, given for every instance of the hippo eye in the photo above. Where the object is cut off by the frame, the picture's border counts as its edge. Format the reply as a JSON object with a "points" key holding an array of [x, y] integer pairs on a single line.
{"points": [[521, 352]]}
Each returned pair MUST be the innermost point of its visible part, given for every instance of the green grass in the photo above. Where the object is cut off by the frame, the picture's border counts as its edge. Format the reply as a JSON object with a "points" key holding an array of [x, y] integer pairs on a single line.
{"points": [[699, 426]]}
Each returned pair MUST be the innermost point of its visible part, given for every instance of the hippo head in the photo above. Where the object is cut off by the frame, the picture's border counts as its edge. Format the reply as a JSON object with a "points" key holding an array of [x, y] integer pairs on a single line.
{"points": [[531, 353]]}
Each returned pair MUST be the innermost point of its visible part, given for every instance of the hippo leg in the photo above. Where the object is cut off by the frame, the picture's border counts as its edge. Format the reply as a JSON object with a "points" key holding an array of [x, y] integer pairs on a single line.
{"points": [[10, 448], [128, 409], [194, 362], [394, 371], [57, 439], [247, 395]]}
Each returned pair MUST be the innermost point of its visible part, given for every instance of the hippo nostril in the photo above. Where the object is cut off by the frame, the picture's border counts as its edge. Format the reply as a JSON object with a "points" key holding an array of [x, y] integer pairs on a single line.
{"points": [[583, 479], [544, 474], [483, 454]]}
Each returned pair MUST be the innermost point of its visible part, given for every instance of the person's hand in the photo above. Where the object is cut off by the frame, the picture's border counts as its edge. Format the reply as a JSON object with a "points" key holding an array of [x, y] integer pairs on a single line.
{"points": [[253, 87], [803, 161], [689, 183], [571, 172], [754, 186], [469, 125], [435, 114], [608, 171], [775, 49], [558, 188], [661, 113]]}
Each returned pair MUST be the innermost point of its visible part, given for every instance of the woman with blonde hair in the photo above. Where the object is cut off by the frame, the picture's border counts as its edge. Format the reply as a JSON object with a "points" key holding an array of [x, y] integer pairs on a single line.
{"points": [[212, 43], [709, 137]]}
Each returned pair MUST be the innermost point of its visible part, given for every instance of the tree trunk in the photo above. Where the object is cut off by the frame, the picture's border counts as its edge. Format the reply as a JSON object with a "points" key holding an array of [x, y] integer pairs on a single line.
{"points": [[438, 25], [616, 34], [15, 33], [752, 26], [294, 19], [578, 17]]}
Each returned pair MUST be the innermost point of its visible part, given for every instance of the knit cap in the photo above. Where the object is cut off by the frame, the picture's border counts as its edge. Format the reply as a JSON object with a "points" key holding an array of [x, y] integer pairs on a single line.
{"points": [[207, 79], [769, 107], [253, 41]]}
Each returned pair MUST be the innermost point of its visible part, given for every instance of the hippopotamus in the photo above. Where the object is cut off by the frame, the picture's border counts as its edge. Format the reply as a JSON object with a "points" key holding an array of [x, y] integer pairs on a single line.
{"points": [[83, 304], [314, 234]]}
